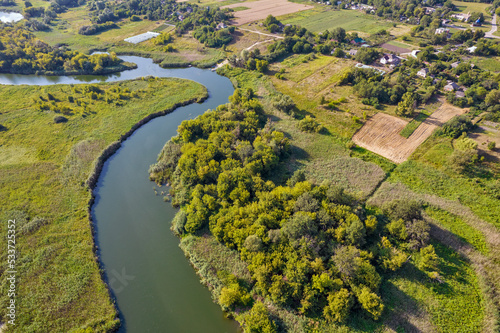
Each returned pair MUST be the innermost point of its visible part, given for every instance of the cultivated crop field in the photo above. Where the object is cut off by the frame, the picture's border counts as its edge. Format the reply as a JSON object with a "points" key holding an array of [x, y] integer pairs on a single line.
{"points": [[381, 133], [259, 10]]}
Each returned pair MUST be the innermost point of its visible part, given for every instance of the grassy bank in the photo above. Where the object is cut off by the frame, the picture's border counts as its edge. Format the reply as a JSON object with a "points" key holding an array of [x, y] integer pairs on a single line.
{"points": [[46, 157]]}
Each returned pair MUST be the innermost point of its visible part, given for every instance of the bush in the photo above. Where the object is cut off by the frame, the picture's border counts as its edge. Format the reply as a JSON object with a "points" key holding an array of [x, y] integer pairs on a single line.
{"points": [[162, 39], [491, 145], [310, 125], [283, 103], [179, 222], [60, 119], [257, 320], [406, 210], [456, 126], [169, 48]]}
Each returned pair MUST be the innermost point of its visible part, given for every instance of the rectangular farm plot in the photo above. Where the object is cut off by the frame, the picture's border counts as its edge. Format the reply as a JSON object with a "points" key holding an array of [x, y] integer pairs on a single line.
{"points": [[381, 133], [259, 10]]}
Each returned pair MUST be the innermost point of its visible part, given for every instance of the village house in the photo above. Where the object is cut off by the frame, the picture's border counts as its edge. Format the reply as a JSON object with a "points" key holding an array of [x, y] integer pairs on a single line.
{"points": [[358, 41], [389, 59], [477, 23], [423, 72], [220, 26], [455, 64], [451, 86], [353, 52], [429, 10], [440, 31], [461, 17], [472, 49], [459, 94]]}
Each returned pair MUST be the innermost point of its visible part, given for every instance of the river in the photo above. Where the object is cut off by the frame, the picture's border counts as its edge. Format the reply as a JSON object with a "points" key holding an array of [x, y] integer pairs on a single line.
{"points": [[156, 289]]}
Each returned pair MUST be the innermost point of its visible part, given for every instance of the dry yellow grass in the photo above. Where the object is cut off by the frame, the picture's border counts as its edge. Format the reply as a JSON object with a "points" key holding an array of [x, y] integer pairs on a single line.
{"points": [[381, 133], [259, 10]]}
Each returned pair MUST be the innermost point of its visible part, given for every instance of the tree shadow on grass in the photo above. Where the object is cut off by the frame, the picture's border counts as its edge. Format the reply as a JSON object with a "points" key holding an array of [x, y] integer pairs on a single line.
{"points": [[288, 165], [400, 308]]}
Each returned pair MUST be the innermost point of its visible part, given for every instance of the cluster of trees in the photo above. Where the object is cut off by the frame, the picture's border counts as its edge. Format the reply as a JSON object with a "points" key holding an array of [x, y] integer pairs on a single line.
{"points": [[308, 248], [96, 28], [21, 52], [212, 37], [374, 88]]}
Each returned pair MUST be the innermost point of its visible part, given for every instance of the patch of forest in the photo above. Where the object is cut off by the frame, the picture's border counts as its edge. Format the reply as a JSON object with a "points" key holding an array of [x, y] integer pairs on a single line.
{"points": [[22, 53], [309, 248]]}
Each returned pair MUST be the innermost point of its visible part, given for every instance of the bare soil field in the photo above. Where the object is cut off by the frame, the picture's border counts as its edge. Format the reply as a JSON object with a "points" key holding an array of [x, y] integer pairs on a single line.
{"points": [[381, 133], [395, 49], [259, 10]]}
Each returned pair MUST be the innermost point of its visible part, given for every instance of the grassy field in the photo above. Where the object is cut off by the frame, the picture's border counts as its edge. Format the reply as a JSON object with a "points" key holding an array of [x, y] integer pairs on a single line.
{"points": [[489, 64], [478, 7], [42, 175], [320, 19]]}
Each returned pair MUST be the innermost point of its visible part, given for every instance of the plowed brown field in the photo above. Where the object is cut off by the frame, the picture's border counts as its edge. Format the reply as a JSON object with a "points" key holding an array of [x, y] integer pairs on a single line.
{"points": [[259, 10], [381, 133]]}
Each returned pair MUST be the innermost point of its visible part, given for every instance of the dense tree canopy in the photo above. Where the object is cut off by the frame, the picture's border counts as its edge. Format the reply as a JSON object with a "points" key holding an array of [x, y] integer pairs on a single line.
{"points": [[307, 247], [21, 52]]}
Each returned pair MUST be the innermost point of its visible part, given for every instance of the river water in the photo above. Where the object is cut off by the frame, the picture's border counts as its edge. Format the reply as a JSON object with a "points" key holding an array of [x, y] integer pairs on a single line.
{"points": [[156, 289]]}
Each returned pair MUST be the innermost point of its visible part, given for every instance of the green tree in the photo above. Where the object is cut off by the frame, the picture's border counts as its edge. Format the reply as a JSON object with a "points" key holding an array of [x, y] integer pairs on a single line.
{"points": [[407, 105], [339, 306], [371, 302], [257, 320]]}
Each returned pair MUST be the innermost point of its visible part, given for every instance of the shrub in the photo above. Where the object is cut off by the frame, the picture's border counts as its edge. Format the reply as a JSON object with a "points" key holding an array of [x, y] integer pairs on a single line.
{"points": [[60, 119], [491, 145], [310, 125], [456, 126], [257, 320], [162, 39], [179, 222], [169, 48], [283, 103]]}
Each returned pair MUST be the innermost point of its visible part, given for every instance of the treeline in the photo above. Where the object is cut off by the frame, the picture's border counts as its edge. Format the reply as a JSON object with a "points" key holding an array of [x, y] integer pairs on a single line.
{"points": [[212, 37], [21, 52], [96, 28], [308, 248]]}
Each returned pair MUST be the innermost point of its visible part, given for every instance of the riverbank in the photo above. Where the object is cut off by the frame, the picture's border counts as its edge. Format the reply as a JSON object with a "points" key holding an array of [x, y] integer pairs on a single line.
{"points": [[125, 66], [44, 168]]}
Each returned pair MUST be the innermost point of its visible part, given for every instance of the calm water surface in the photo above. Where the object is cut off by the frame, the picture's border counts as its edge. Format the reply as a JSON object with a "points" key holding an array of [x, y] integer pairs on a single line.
{"points": [[155, 287]]}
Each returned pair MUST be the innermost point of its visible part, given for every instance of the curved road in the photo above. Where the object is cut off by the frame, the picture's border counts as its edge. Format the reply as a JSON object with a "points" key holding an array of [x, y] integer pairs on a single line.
{"points": [[489, 34]]}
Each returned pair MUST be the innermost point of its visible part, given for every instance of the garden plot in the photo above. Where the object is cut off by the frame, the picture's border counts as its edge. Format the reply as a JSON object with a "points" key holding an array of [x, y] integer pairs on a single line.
{"points": [[381, 133], [259, 10]]}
